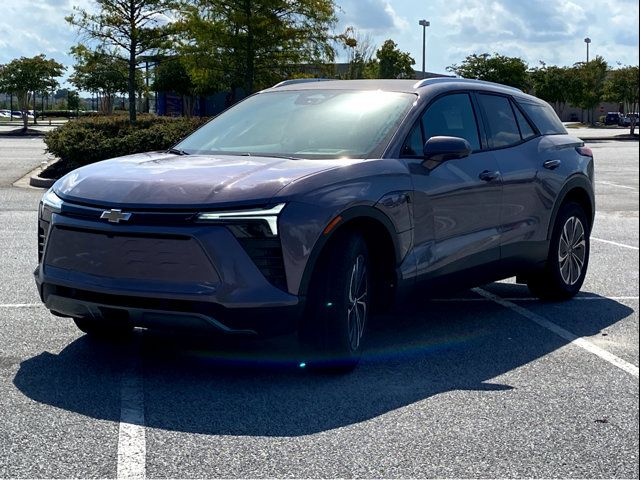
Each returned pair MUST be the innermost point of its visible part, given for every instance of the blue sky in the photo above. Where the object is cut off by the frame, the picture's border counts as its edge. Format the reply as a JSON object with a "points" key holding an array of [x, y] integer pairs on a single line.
{"points": [[549, 30]]}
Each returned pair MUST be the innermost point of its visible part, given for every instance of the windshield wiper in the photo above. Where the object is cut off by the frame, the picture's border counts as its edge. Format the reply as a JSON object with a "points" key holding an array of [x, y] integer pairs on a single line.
{"points": [[269, 155], [176, 151]]}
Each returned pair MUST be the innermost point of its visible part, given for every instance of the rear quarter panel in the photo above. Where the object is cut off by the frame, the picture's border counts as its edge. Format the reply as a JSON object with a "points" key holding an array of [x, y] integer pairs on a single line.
{"points": [[575, 171]]}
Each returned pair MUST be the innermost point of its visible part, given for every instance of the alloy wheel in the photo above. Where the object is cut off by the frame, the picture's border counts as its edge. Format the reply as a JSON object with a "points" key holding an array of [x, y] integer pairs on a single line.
{"points": [[572, 251], [357, 304]]}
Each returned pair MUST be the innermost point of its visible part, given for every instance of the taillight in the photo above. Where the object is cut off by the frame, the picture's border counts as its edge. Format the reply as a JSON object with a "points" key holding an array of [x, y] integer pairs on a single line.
{"points": [[585, 151]]}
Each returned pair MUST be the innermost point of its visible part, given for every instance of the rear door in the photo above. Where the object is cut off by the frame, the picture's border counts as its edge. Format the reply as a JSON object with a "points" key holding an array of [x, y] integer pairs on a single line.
{"points": [[456, 202], [515, 142]]}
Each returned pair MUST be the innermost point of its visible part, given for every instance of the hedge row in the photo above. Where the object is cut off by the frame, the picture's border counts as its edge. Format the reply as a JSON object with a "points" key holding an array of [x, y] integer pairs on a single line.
{"points": [[92, 139], [66, 113], [59, 113]]}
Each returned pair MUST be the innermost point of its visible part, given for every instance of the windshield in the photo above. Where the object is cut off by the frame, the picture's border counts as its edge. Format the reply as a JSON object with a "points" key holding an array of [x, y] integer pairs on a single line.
{"points": [[304, 124]]}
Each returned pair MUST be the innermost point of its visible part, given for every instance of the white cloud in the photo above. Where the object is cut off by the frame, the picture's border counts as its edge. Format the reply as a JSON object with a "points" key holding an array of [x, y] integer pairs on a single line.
{"points": [[400, 23], [34, 27], [548, 30]]}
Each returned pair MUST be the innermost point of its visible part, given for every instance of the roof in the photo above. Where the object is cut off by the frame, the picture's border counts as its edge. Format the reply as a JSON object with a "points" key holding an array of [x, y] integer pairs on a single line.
{"points": [[407, 86]]}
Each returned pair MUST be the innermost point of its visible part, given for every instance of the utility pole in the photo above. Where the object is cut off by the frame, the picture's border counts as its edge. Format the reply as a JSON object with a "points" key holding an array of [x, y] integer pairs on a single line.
{"points": [[587, 41], [424, 24]]}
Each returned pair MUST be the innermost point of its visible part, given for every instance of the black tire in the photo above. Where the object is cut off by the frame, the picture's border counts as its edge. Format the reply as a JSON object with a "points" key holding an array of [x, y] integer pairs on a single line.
{"points": [[338, 305], [562, 279], [107, 329]]}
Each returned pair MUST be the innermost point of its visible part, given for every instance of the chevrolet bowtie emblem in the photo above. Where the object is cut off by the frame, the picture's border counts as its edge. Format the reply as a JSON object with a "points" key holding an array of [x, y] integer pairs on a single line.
{"points": [[115, 216]]}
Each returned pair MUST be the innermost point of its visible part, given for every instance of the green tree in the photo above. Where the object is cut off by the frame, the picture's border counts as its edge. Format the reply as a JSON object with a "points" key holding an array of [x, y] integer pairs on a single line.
{"points": [[102, 72], [171, 76], [73, 100], [554, 84], [590, 78], [496, 68], [623, 86], [130, 27], [360, 50], [24, 77], [253, 44], [394, 63]]}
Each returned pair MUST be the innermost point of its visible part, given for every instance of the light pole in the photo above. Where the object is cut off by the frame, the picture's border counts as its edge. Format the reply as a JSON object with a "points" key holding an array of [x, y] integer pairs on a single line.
{"points": [[424, 24], [587, 41]]}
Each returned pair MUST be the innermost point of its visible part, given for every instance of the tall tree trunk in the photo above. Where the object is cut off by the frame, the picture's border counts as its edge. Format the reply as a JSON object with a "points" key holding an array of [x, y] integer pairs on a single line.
{"points": [[23, 105], [35, 109], [133, 45], [132, 84], [250, 58]]}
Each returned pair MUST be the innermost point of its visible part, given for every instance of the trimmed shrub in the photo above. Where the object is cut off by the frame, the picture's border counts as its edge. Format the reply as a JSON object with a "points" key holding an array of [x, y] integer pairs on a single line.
{"points": [[92, 139], [70, 113], [57, 113]]}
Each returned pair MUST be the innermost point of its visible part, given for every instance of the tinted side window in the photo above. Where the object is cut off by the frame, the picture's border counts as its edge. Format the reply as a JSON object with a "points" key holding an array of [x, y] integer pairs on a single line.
{"points": [[452, 116], [544, 117], [503, 130], [526, 130]]}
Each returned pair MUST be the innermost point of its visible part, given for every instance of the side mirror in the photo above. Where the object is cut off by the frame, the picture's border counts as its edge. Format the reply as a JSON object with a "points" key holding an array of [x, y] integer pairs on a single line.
{"points": [[440, 149]]}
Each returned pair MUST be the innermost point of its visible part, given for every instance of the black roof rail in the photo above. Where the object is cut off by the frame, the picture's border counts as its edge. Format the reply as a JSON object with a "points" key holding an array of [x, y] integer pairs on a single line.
{"points": [[300, 80], [432, 81]]}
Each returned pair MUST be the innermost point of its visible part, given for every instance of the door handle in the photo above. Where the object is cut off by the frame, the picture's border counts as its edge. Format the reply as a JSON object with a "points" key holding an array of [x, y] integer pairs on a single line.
{"points": [[488, 176], [552, 164]]}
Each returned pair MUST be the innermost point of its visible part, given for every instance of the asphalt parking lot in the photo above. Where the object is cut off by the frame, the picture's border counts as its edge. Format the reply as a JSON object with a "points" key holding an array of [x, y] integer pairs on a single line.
{"points": [[483, 383]]}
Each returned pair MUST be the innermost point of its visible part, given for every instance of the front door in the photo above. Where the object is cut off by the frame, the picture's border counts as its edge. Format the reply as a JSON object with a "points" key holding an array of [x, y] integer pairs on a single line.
{"points": [[456, 202]]}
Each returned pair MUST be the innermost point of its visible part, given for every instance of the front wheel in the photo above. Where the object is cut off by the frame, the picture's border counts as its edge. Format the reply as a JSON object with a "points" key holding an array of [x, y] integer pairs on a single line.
{"points": [[566, 266], [339, 304]]}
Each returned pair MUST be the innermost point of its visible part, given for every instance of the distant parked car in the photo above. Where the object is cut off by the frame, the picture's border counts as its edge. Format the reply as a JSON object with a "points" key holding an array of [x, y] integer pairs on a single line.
{"points": [[9, 114], [14, 114], [626, 119], [613, 118], [574, 117]]}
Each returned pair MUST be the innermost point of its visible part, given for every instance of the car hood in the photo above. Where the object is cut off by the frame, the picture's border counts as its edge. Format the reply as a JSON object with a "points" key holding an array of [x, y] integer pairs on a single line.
{"points": [[168, 180]]}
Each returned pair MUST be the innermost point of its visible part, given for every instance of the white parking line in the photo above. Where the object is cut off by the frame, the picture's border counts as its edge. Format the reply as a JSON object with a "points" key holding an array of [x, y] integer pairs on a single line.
{"points": [[623, 245], [611, 184], [558, 330], [20, 305], [530, 299], [131, 434]]}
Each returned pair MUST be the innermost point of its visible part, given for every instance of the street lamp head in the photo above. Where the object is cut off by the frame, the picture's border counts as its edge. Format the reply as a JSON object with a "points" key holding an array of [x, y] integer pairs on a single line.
{"points": [[424, 23], [587, 40]]}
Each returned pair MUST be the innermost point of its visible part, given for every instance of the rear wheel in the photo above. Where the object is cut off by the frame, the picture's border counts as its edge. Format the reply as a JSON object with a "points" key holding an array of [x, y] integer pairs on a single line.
{"points": [[339, 304], [109, 328], [566, 266]]}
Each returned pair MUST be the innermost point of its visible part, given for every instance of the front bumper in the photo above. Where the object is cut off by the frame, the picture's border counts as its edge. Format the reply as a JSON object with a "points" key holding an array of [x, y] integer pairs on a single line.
{"points": [[191, 276]]}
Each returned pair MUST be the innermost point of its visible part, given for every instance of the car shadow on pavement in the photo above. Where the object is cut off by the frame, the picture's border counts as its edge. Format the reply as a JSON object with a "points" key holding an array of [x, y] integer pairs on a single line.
{"points": [[258, 389]]}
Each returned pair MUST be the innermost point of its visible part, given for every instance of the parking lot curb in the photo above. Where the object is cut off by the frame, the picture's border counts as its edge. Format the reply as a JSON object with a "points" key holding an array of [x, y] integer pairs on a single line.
{"points": [[37, 181], [33, 178], [613, 139]]}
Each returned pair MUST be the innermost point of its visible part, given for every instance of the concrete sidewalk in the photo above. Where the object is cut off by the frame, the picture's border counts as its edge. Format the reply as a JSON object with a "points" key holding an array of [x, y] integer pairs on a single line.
{"points": [[586, 133]]}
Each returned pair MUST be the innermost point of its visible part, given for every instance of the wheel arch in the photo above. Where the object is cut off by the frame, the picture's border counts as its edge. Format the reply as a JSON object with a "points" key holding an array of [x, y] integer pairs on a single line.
{"points": [[380, 235], [578, 189]]}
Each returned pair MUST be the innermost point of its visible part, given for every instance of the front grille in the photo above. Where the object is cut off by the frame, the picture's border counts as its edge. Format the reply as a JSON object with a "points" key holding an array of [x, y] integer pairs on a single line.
{"points": [[266, 253], [132, 256], [43, 228]]}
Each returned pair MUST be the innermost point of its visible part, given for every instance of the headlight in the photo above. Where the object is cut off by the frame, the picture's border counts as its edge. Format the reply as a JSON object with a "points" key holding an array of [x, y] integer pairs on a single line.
{"points": [[51, 202], [268, 217]]}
